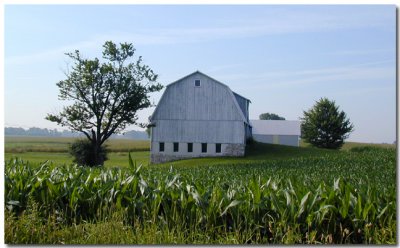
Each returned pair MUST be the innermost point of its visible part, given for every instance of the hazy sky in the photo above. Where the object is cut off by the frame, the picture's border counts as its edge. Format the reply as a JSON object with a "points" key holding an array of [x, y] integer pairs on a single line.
{"points": [[282, 57]]}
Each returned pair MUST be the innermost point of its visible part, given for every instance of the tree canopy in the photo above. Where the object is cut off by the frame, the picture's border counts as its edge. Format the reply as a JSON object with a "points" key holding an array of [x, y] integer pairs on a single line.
{"points": [[270, 116], [105, 95], [325, 126]]}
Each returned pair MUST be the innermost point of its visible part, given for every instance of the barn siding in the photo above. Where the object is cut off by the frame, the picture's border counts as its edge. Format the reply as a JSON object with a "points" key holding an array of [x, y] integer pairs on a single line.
{"points": [[169, 154], [199, 131], [211, 151], [243, 104]]}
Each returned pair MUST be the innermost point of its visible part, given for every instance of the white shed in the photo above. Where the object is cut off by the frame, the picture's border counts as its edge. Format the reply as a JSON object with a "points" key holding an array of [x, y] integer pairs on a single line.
{"points": [[279, 132]]}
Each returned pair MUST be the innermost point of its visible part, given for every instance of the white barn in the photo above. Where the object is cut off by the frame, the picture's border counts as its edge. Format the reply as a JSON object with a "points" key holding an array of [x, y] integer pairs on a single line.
{"points": [[279, 132], [198, 116]]}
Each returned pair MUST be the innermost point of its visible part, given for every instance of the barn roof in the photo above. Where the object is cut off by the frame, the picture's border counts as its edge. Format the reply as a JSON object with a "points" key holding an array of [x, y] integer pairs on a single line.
{"points": [[230, 91], [199, 72], [275, 127]]}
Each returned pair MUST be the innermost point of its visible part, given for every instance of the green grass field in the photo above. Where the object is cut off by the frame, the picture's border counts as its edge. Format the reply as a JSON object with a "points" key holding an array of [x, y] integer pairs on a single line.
{"points": [[275, 194], [40, 149], [19, 144]]}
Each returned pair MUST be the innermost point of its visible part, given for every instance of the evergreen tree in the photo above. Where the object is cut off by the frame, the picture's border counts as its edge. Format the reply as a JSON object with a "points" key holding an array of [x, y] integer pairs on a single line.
{"points": [[324, 126]]}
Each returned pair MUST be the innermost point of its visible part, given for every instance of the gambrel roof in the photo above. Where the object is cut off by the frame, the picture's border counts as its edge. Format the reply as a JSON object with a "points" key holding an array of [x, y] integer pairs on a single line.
{"points": [[232, 94]]}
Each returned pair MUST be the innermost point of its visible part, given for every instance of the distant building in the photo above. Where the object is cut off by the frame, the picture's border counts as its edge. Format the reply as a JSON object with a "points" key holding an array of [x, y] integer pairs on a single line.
{"points": [[198, 116], [281, 132]]}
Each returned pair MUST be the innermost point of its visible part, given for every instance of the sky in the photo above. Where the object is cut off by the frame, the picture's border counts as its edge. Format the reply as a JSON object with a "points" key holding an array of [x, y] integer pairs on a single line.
{"points": [[283, 58]]}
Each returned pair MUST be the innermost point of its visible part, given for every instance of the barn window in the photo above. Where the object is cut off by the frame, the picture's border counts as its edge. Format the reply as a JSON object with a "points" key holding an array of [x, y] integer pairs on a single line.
{"points": [[203, 147], [161, 146], [197, 83], [190, 147], [176, 146], [218, 148]]}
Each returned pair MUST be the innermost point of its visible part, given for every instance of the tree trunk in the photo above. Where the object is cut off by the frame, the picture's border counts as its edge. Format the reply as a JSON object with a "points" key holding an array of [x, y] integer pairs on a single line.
{"points": [[98, 156]]}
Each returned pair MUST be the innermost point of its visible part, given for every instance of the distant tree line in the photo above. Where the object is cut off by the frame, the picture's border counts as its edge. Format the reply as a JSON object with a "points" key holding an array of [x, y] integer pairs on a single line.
{"points": [[44, 132], [35, 131]]}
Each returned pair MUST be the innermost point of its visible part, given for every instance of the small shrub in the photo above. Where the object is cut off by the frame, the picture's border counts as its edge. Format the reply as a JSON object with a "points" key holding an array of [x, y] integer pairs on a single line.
{"points": [[83, 152]]}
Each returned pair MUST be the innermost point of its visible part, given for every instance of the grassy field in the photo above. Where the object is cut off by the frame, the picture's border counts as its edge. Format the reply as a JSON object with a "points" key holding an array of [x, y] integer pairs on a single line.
{"points": [[19, 144], [40, 149], [276, 194]]}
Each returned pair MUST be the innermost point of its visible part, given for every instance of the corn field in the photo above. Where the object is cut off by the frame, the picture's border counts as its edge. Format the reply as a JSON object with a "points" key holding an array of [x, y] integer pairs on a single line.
{"points": [[345, 198]]}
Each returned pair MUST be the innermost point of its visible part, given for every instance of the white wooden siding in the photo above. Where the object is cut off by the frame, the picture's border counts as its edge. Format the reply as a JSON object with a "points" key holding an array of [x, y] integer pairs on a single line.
{"points": [[197, 151], [243, 104], [199, 131]]}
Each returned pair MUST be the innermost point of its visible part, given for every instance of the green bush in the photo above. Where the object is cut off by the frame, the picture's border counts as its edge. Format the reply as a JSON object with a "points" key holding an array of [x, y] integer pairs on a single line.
{"points": [[84, 153], [324, 126]]}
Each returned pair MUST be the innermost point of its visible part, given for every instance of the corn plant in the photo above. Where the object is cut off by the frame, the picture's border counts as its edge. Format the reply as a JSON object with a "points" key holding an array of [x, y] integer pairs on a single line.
{"points": [[277, 202]]}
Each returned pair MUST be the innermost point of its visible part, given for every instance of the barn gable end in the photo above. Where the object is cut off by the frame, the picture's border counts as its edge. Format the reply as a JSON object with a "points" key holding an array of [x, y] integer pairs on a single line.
{"points": [[212, 100]]}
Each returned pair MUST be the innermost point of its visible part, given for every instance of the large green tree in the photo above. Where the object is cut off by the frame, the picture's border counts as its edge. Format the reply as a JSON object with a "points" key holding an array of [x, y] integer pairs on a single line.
{"points": [[105, 95], [270, 116], [325, 126]]}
